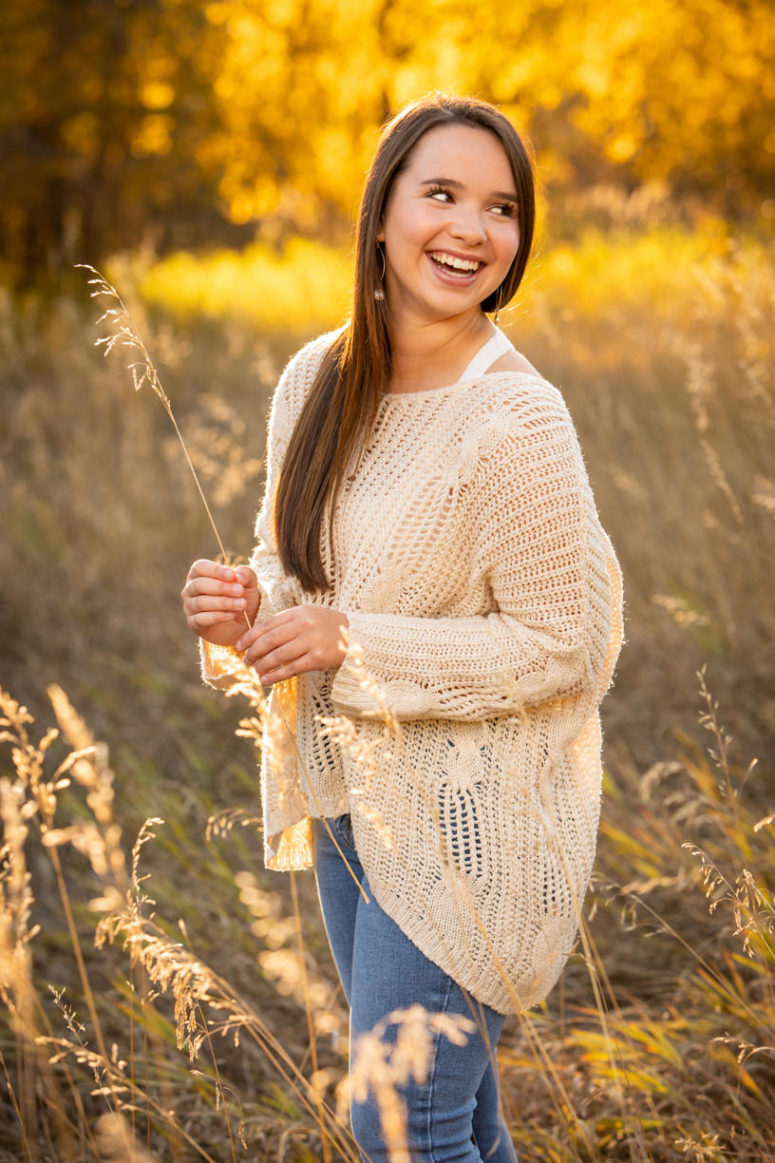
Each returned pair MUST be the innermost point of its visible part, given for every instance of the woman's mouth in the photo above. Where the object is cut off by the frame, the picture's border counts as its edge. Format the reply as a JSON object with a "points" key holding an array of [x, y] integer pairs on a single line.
{"points": [[452, 266]]}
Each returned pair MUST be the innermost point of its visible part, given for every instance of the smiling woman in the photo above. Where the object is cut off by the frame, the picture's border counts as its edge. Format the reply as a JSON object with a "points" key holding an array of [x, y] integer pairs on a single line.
{"points": [[428, 543]]}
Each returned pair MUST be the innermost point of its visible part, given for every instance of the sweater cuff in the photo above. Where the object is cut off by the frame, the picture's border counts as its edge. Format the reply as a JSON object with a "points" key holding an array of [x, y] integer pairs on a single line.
{"points": [[353, 690], [219, 663], [356, 692]]}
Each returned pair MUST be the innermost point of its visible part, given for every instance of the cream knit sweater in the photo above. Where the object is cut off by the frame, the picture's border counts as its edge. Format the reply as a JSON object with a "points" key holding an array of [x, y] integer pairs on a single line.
{"points": [[462, 730]]}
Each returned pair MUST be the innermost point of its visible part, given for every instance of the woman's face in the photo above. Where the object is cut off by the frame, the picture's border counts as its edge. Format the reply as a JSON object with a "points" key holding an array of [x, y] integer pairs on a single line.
{"points": [[450, 228]]}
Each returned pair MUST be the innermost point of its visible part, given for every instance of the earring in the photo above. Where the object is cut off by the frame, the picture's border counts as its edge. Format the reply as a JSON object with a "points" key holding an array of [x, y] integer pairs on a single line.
{"points": [[379, 293], [497, 316]]}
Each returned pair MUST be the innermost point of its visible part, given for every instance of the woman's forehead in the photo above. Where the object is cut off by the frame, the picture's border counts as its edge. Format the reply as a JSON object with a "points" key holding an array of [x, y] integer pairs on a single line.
{"points": [[467, 148]]}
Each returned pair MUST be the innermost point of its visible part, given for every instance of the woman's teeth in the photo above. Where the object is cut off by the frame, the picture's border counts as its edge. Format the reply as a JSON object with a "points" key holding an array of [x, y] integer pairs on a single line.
{"points": [[465, 266]]}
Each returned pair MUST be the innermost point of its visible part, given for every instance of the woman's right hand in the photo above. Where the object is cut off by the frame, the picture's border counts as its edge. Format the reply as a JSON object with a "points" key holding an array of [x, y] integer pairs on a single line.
{"points": [[216, 600]]}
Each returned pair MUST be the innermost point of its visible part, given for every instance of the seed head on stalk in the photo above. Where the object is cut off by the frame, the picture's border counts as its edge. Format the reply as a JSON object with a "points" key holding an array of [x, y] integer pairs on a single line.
{"points": [[125, 333]]}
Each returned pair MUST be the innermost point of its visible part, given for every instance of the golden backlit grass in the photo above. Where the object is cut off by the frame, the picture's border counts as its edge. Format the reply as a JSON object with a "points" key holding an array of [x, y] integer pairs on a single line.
{"points": [[305, 285], [297, 289], [671, 388]]}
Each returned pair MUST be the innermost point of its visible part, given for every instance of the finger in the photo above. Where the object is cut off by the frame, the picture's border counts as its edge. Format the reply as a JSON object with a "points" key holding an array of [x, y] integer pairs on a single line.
{"points": [[275, 632], [212, 585], [247, 640], [282, 656], [246, 576], [257, 655], [206, 620], [208, 585], [288, 670], [207, 568], [207, 603]]}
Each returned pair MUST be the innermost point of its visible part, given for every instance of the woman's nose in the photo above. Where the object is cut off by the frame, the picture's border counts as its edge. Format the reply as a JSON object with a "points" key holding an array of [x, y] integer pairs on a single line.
{"points": [[468, 225]]}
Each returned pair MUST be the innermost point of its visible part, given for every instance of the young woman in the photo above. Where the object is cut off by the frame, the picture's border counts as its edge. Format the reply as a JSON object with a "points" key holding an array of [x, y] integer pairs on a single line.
{"points": [[429, 547]]}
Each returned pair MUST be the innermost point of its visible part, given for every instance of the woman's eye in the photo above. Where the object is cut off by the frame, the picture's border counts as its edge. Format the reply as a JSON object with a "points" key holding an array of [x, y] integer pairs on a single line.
{"points": [[439, 194], [505, 209]]}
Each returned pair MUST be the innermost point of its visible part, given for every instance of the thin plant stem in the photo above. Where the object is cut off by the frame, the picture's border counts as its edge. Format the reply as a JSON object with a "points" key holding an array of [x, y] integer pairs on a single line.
{"points": [[125, 333], [219, 1088], [196, 482], [85, 983], [12, 1095]]}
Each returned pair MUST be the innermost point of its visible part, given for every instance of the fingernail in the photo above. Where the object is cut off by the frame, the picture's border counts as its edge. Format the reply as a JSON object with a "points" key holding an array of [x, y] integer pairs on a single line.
{"points": [[229, 574]]}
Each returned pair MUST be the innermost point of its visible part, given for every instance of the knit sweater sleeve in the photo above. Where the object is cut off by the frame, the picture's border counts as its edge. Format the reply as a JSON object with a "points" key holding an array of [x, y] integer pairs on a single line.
{"points": [[547, 566]]}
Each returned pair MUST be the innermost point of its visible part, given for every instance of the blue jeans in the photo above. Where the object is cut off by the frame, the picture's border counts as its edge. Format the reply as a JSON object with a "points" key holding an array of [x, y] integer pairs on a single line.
{"points": [[455, 1114]]}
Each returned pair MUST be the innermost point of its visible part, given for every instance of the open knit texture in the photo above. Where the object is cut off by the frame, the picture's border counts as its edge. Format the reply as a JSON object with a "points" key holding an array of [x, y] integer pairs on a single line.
{"points": [[462, 730]]}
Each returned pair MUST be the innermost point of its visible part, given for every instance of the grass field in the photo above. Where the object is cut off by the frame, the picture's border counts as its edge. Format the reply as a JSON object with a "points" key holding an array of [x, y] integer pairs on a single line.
{"points": [[659, 1042]]}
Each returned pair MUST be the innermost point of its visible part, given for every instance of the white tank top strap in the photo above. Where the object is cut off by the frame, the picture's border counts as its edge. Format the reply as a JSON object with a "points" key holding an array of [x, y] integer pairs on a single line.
{"points": [[494, 347]]}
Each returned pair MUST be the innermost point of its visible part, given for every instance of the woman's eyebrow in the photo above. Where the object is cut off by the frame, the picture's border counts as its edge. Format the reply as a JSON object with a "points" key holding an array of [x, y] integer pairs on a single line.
{"points": [[455, 185], [443, 182]]}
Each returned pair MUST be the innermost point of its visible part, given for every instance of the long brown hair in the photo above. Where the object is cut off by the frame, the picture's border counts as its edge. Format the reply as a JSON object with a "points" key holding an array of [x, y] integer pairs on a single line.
{"points": [[335, 422]]}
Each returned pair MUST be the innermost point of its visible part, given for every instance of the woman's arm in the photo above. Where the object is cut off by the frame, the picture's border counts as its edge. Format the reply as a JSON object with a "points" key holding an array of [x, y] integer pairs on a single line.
{"points": [[554, 580]]}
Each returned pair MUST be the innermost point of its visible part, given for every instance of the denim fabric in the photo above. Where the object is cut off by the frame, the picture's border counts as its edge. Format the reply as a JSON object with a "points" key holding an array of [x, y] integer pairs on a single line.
{"points": [[455, 1114]]}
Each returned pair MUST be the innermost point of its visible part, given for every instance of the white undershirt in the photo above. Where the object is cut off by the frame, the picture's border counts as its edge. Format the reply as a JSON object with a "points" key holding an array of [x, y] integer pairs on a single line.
{"points": [[494, 347]]}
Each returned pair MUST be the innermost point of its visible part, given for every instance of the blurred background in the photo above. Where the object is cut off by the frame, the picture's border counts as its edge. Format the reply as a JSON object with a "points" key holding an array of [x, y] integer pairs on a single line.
{"points": [[165, 125], [209, 158]]}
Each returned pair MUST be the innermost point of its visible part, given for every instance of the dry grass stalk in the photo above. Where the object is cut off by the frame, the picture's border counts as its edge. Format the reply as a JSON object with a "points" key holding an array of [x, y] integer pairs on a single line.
{"points": [[124, 333], [382, 1065], [204, 1003], [33, 798]]}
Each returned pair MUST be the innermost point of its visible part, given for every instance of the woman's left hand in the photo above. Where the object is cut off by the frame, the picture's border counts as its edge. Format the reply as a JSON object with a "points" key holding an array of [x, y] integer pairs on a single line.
{"points": [[300, 639]]}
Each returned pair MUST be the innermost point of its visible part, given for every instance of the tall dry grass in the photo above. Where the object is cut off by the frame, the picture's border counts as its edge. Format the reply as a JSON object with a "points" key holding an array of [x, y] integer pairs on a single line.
{"points": [[659, 1042]]}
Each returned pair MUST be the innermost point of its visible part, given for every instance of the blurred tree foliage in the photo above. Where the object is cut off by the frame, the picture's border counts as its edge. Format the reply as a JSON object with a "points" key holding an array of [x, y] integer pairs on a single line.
{"points": [[189, 122], [104, 109]]}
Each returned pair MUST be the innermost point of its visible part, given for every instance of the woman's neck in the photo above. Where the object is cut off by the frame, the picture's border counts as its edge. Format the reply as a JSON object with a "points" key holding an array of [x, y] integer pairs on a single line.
{"points": [[432, 355]]}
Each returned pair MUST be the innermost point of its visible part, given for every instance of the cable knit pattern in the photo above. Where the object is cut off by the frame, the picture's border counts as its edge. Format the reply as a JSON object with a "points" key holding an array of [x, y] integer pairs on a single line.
{"points": [[462, 731]]}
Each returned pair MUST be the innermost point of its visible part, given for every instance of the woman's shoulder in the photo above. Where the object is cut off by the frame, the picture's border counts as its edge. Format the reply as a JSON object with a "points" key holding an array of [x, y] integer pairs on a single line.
{"points": [[512, 414], [299, 374], [513, 361], [306, 361], [516, 393]]}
